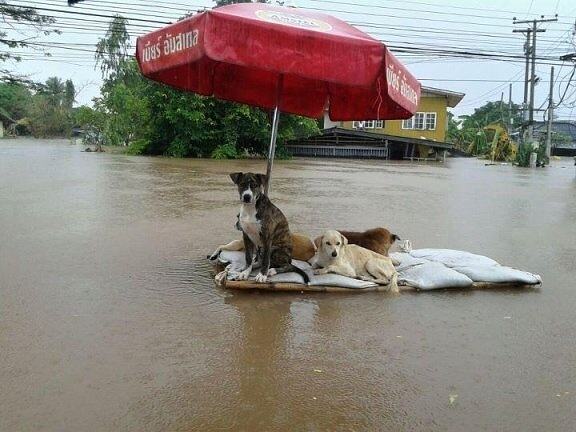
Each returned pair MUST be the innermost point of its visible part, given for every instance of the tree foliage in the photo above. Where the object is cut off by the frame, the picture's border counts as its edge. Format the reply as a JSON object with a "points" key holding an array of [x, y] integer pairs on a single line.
{"points": [[15, 15], [50, 110], [467, 132], [45, 112], [15, 100], [492, 112], [112, 49]]}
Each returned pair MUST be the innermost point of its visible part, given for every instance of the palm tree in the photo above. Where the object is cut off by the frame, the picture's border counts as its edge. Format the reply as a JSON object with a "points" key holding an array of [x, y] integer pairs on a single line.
{"points": [[54, 90]]}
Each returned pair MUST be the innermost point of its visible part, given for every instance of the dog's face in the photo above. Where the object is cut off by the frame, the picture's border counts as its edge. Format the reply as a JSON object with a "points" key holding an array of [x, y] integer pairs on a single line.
{"points": [[331, 243], [250, 185]]}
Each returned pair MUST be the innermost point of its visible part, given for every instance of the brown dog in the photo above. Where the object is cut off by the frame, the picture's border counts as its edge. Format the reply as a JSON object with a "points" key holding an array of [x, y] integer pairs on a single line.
{"points": [[378, 240]]}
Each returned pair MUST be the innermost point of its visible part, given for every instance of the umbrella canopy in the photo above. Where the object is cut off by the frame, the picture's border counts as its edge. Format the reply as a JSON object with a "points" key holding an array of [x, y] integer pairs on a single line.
{"points": [[273, 57]]}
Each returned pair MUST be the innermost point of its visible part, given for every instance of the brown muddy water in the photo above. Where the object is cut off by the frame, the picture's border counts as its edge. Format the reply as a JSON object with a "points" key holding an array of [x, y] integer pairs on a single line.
{"points": [[110, 321]]}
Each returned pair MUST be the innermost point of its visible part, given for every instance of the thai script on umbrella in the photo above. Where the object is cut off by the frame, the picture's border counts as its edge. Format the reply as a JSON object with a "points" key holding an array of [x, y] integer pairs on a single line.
{"points": [[399, 84], [169, 44]]}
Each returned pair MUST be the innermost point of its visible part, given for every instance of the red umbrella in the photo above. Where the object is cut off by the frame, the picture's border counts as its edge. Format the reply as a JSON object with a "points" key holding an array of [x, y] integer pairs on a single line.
{"points": [[284, 59]]}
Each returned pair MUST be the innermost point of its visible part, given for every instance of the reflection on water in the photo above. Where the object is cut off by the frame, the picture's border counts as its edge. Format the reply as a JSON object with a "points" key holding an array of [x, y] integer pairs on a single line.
{"points": [[109, 319]]}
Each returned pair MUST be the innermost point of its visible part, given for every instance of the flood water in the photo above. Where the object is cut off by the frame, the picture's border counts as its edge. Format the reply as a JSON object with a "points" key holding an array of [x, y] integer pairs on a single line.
{"points": [[110, 321]]}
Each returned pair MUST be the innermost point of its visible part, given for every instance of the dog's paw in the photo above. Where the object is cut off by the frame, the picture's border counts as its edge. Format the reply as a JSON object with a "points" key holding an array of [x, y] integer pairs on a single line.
{"points": [[245, 274], [405, 246], [272, 272], [393, 287], [236, 275], [260, 278], [221, 277]]}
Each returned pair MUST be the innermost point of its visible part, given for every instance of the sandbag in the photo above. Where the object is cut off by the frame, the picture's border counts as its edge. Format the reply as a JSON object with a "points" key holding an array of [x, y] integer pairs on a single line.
{"points": [[453, 258], [433, 275], [499, 274]]}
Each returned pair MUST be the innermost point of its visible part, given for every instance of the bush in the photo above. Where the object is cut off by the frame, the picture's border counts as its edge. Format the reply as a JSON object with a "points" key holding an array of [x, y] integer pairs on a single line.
{"points": [[138, 147], [225, 151], [523, 155], [181, 147], [282, 152]]}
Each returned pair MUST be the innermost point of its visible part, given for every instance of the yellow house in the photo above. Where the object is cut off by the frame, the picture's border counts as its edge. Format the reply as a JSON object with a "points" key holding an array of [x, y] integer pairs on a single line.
{"points": [[421, 137], [429, 123]]}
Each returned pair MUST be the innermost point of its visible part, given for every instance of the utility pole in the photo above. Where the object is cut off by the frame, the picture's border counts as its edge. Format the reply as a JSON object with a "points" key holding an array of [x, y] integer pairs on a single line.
{"points": [[527, 69], [510, 121], [530, 51], [550, 115]]}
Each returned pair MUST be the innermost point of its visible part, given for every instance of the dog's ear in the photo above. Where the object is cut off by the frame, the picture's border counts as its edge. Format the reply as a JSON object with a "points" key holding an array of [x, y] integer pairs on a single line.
{"points": [[262, 179], [318, 242], [236, 177], [344, 239]]}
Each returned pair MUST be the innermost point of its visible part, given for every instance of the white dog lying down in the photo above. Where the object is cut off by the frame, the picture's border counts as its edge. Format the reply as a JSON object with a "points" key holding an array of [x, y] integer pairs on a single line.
{"points": [[335, 255]]}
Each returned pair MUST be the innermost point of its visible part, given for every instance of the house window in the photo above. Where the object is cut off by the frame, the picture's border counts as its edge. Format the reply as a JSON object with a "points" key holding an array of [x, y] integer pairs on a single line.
{"points": [[419, 120], [431, 121], [367, 124]]}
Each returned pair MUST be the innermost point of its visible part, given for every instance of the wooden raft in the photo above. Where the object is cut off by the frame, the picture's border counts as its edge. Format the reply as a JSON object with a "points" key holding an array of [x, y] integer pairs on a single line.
{"points": [[291, 287]]}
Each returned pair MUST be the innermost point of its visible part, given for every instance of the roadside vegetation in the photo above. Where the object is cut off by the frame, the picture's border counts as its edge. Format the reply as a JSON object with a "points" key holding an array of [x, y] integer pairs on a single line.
{"points": [[485, 134], [44, 111]]}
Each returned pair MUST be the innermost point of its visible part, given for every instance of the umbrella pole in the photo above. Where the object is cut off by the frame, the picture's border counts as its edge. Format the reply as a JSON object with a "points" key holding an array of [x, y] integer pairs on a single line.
{"points": [[272, 148], [274, 136]]}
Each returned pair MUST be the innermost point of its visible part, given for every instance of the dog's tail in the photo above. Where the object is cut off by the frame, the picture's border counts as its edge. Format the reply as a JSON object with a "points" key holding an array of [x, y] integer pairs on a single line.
{"points": [[301, 272], [293, 268]]}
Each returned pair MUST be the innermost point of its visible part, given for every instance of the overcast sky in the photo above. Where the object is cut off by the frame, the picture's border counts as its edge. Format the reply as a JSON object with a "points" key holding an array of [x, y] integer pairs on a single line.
{"points": [[472, 26]]}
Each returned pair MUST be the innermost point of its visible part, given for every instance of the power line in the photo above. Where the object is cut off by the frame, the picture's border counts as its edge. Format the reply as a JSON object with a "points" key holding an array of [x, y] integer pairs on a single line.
{"points": [[95, 15], [443, 6]]}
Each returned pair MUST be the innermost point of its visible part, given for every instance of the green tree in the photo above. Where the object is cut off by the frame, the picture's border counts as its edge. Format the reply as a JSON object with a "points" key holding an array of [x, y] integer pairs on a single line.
{"points": [[492, 112], [112, 50], [127, 114], [50, 111], [124, 100], [15, 100], [69, 94], [53, 90], [88, 118]]}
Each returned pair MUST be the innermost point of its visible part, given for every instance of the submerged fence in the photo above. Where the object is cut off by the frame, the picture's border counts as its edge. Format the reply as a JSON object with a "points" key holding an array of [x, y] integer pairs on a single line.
{"points": [[339, 151]]}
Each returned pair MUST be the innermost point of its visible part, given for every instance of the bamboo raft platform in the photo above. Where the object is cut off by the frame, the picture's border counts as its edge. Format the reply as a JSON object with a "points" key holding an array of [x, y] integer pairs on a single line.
{"points": [[250, 285]]}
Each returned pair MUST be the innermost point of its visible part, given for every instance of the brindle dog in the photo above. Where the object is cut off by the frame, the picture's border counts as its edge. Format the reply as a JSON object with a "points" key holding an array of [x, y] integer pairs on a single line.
{"points": [[265, 230]]}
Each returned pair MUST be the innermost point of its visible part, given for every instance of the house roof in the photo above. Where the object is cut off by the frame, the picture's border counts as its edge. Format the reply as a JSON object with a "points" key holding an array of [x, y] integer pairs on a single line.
{"points": [[567, 127], [453, 98]]}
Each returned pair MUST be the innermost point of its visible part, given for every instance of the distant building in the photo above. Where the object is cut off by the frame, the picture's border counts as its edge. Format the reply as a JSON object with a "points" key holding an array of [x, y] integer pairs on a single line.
{"points": [[564, 127], [422, 136], [429, 123]]}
